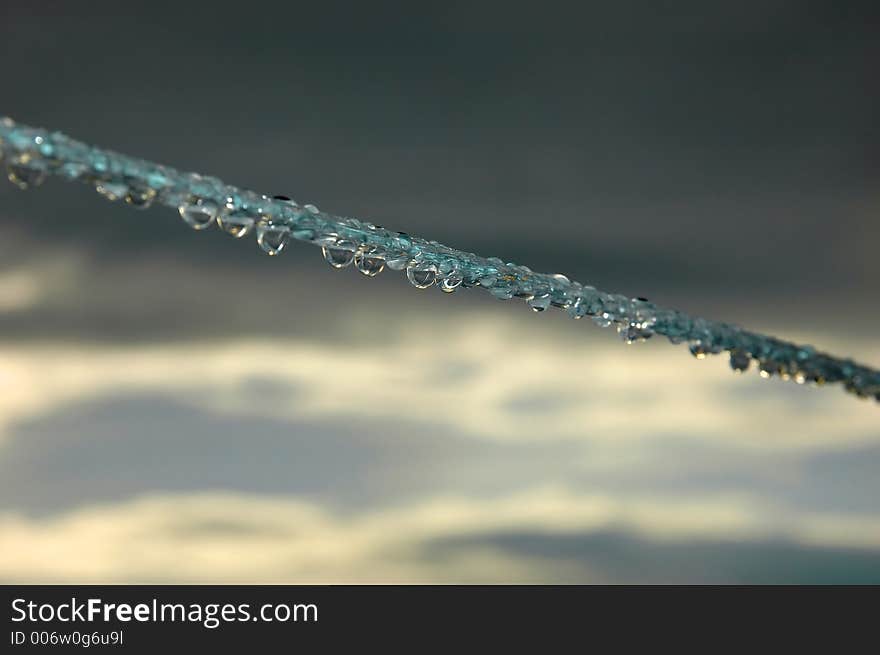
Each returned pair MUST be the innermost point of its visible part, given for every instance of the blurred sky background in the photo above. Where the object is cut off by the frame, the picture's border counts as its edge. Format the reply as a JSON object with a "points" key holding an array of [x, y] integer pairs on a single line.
{"points": [[178, 407]]}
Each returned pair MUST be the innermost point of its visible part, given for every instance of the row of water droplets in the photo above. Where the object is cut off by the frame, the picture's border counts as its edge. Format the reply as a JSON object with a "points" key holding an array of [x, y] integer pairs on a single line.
{"points": [[203, 202]]}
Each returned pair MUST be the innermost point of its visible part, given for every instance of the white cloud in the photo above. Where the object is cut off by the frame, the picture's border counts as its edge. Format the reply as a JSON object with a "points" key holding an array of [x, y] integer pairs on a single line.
{"points": [[247, 538]]}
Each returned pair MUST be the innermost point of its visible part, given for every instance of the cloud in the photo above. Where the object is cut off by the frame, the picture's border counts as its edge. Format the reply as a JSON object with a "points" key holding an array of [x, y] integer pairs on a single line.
{"points": [[385, 442], [254, 538], [492, 379]]}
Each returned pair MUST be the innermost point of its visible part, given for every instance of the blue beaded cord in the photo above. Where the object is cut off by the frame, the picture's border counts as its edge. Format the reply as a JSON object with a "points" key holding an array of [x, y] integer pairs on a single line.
{"points": [[31, 154]]}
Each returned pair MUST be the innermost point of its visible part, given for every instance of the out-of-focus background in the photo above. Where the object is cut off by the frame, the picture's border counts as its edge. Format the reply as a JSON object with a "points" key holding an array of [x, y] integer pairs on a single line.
{"points": [[176, 406]]}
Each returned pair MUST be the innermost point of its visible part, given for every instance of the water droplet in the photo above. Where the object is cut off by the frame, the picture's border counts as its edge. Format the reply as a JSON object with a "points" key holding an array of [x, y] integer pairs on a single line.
{"points": [[199, 213], [367, 263], [421, 275], [311, 209], [698, 351], [502, 293], [768, 368], [603, 320], [111, 190], [272, 238], [740, 360], [488, 280], [539, 303], [139, 196], [23, 174], [329, 240], [235, 222], [559, 277], [450, 282], [341, 254], [576, 309], [398, 262], [635, 332]]}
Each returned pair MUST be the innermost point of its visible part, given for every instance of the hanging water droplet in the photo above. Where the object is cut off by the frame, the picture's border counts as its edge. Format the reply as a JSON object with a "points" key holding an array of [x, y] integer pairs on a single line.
{"points": [[603, 320], [398, 262], [576, 309], [635, 332], [341, 254], [539, 303], [367, 263], [502, 293], [768, 368], [740, 360], [328, 240], [236, 222], [111, 190], [698, 350], [199, 213], [22, 172], [139, 196], [272, 238], [450, 282], [421, 275]]}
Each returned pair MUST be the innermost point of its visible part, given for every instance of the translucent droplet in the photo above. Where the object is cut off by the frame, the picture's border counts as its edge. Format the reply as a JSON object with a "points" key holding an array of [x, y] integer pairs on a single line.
{"points": [[450, 282], [328, 240], [740, 361], [421, 275], [635, 332], [311, 209], [23, 174], [488, 281], [272, 238], [559, 277], [367, 263], [445, 266], [603, 320], [539, 303], [236, 222], [111, 190], [341, 254], [576, 309], [199, 213], [139, 196], [698, 351], [502, 293], [398, 262], [768, 368]]}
